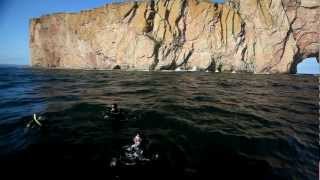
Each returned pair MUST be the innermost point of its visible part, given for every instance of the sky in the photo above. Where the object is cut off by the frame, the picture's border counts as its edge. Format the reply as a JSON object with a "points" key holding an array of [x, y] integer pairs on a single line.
{"points": [[14, 27]]}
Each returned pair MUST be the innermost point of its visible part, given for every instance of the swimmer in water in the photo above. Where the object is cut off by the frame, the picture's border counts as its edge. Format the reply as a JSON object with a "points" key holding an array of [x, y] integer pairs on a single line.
{"points": [[35, 121], [134, 151], [114, 109], [115, 116], [113, 112]]}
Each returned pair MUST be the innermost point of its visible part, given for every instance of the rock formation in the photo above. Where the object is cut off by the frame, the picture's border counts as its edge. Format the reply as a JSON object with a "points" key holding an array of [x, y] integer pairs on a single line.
{"points": [[258, 36]]}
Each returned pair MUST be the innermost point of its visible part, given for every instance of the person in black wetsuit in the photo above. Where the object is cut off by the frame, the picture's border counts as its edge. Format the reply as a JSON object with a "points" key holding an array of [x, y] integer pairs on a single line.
{"points": [[35, 122], [114, 109], [115, 115]]}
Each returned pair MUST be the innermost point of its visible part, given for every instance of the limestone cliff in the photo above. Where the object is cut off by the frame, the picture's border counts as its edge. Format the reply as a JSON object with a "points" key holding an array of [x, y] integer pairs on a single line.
{"points": [[260, 36]]}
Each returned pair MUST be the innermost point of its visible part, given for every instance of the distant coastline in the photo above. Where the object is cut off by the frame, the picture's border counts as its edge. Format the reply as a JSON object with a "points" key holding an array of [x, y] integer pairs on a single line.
{"points": [[16, 65]]}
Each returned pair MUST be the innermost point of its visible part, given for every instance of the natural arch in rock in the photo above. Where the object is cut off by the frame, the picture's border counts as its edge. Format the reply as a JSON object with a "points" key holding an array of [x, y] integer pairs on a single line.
{"points": [[308, 66]]}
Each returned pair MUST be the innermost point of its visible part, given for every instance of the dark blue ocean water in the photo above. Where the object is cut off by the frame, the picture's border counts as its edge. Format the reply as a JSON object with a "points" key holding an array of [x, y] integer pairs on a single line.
{"points": [[202, 124]]}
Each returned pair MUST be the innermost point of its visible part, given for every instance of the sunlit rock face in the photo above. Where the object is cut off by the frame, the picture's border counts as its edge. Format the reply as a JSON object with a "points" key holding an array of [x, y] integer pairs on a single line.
{"points": [[258, 36]]}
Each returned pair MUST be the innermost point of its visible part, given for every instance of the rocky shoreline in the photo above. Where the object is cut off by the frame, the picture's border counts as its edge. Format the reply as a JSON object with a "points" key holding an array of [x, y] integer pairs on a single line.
{"points": [[252, 36]]}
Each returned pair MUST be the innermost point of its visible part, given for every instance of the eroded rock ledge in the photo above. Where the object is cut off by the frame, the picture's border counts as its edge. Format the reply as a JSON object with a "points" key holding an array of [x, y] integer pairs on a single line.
{"points": [[259, 36]]}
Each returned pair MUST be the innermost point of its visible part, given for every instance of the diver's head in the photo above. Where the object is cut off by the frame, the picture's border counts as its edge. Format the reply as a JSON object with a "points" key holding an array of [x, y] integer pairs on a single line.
{"points": [[137, 138], [114, 107]]}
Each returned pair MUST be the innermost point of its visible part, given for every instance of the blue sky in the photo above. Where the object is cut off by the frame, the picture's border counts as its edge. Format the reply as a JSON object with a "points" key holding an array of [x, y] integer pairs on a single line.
{"points": [[14, 23]]}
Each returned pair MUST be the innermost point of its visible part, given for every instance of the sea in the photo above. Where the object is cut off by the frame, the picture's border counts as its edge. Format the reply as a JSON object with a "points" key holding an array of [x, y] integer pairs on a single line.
{"points": [[201, 125]]}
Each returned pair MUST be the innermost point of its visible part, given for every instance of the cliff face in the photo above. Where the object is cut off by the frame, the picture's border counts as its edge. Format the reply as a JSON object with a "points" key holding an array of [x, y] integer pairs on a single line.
{"points": [[261, 36]]}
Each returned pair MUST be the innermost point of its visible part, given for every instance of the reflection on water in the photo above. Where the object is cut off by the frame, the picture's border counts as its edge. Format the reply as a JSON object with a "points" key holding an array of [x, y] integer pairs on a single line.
{"points": [[262, 126]]}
